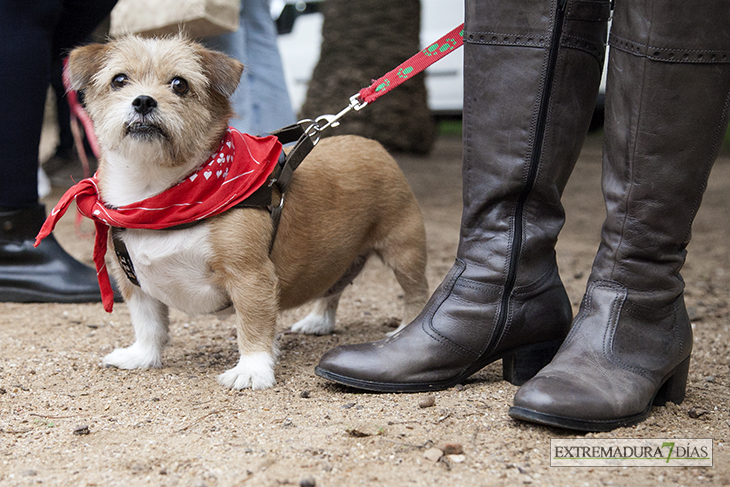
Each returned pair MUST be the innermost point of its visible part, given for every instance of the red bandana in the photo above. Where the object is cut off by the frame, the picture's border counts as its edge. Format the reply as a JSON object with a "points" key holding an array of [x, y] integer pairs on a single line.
{"points": [[240, 166]]}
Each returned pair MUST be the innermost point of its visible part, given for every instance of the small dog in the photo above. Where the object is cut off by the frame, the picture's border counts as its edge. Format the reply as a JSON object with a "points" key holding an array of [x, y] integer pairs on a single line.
{"points": [[160, 108]]}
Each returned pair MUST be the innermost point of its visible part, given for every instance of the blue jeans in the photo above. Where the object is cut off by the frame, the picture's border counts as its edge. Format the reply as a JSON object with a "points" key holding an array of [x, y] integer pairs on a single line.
{"points": [[261, 101]]}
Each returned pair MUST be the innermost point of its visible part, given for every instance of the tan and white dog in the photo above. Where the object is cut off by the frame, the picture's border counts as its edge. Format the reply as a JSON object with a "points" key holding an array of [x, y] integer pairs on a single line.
{"points": [[160, 108]]}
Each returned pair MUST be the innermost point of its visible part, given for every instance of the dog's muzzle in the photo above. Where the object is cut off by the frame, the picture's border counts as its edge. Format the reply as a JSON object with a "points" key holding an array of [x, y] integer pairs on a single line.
{"points": [[145, 130], [143, 124]]}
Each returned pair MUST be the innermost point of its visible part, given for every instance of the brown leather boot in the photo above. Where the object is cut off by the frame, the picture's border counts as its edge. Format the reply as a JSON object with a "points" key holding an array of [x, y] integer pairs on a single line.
{"points": [[531, 72], [667, 101]]}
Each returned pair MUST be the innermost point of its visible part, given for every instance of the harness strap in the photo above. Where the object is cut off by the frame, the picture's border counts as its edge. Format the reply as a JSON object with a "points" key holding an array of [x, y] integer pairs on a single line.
{"points": [[261, 198], [293, 159], [125, 261], [285, 169], [288, 134]]}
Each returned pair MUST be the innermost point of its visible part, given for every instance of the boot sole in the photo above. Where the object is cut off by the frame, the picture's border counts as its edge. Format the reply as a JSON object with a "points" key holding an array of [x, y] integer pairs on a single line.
{"points": [[518, 366], [12, 295], [672, 389]]}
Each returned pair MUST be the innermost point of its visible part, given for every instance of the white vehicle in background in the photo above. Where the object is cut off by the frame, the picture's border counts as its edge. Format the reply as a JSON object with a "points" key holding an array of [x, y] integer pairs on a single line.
{"points": [[300, 38]]}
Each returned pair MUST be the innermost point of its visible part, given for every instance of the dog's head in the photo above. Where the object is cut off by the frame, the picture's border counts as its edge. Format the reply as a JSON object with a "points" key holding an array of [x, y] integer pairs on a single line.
{"points": [[165, 99]]}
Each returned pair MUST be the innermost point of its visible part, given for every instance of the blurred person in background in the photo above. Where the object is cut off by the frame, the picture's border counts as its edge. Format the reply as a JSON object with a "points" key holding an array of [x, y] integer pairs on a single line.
{"points": [[32, 35], [261, 101]]}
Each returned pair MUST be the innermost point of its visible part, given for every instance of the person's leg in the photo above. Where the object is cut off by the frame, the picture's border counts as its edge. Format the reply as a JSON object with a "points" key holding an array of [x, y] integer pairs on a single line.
{"points": [[666, 112], [78, 20], [270, 104], [234, 45], [261, 101], [531, 73], [26, 40], [65, 148], [46, 273]]}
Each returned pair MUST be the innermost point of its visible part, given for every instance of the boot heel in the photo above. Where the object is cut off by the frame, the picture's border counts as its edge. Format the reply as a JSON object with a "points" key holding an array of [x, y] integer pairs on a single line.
{"points": [[674, 388], [524, 363]]}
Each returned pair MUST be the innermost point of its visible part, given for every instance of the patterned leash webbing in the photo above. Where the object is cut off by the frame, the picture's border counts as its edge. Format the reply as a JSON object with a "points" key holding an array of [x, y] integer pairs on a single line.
{"points": [[405, 71], [417, 63]]}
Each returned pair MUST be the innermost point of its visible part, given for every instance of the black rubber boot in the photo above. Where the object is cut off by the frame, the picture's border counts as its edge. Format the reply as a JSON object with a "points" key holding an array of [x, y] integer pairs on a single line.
{"points": [[43, 274], [531, 72], [666, 112]]}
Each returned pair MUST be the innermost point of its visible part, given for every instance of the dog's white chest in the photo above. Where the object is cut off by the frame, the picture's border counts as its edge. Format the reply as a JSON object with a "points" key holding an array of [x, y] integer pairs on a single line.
{"points": [[173, 267]]}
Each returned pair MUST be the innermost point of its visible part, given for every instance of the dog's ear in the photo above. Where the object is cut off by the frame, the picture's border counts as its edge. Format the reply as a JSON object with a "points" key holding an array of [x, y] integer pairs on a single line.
{"points": [[83, 63], [223, 72]]}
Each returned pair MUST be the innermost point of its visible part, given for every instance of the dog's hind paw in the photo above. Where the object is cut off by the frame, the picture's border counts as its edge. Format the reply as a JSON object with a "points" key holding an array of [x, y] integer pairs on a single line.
{"points": [[254, 371], [314, 324], [134, 357]]}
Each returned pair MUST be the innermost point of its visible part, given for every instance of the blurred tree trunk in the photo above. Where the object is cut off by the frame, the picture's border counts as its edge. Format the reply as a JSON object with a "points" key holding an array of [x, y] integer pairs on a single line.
{"points": [[361, 41]]}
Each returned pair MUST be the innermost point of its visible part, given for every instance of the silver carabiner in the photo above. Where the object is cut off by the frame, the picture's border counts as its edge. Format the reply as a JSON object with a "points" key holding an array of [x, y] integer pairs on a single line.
{"points": [[324, 122]]}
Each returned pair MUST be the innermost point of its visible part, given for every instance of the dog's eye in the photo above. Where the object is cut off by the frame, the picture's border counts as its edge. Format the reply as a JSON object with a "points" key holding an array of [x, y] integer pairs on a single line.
{"points": [[179, 86], [119, 81]]}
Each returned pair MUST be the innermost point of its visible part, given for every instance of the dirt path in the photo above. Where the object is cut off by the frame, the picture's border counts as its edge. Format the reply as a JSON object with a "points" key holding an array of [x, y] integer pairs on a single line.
{"points": [[177, 426]]}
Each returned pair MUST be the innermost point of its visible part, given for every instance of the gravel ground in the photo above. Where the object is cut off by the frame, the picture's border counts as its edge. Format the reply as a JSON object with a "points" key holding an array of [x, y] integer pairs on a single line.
{"points": [[66, 421]]}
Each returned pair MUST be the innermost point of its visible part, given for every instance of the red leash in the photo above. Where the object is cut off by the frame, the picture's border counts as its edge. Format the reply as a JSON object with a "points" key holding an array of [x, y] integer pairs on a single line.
{"points": [[405, 71], [417, 63]]}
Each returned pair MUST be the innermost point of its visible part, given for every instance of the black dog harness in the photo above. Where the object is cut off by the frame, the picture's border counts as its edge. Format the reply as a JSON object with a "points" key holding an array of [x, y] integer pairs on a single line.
{"points": [[265, 197]]}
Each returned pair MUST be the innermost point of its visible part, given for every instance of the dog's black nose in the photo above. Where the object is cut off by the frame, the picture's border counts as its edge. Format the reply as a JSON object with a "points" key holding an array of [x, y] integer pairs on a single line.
{"points": [[144, 104]]}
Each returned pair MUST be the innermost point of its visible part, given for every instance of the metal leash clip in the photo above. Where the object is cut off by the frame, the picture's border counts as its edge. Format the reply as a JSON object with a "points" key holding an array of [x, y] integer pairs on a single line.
{"points": [[315, 127], [306, 133]]}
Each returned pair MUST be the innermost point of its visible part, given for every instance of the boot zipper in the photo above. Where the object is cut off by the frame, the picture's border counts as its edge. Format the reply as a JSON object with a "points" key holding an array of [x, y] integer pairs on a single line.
{"points": [[532, 173]]}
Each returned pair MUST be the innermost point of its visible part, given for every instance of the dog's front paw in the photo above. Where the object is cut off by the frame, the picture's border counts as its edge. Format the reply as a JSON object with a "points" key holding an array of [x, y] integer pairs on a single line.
{"points": [[134, 357], [254, 370], [315, 324]]}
